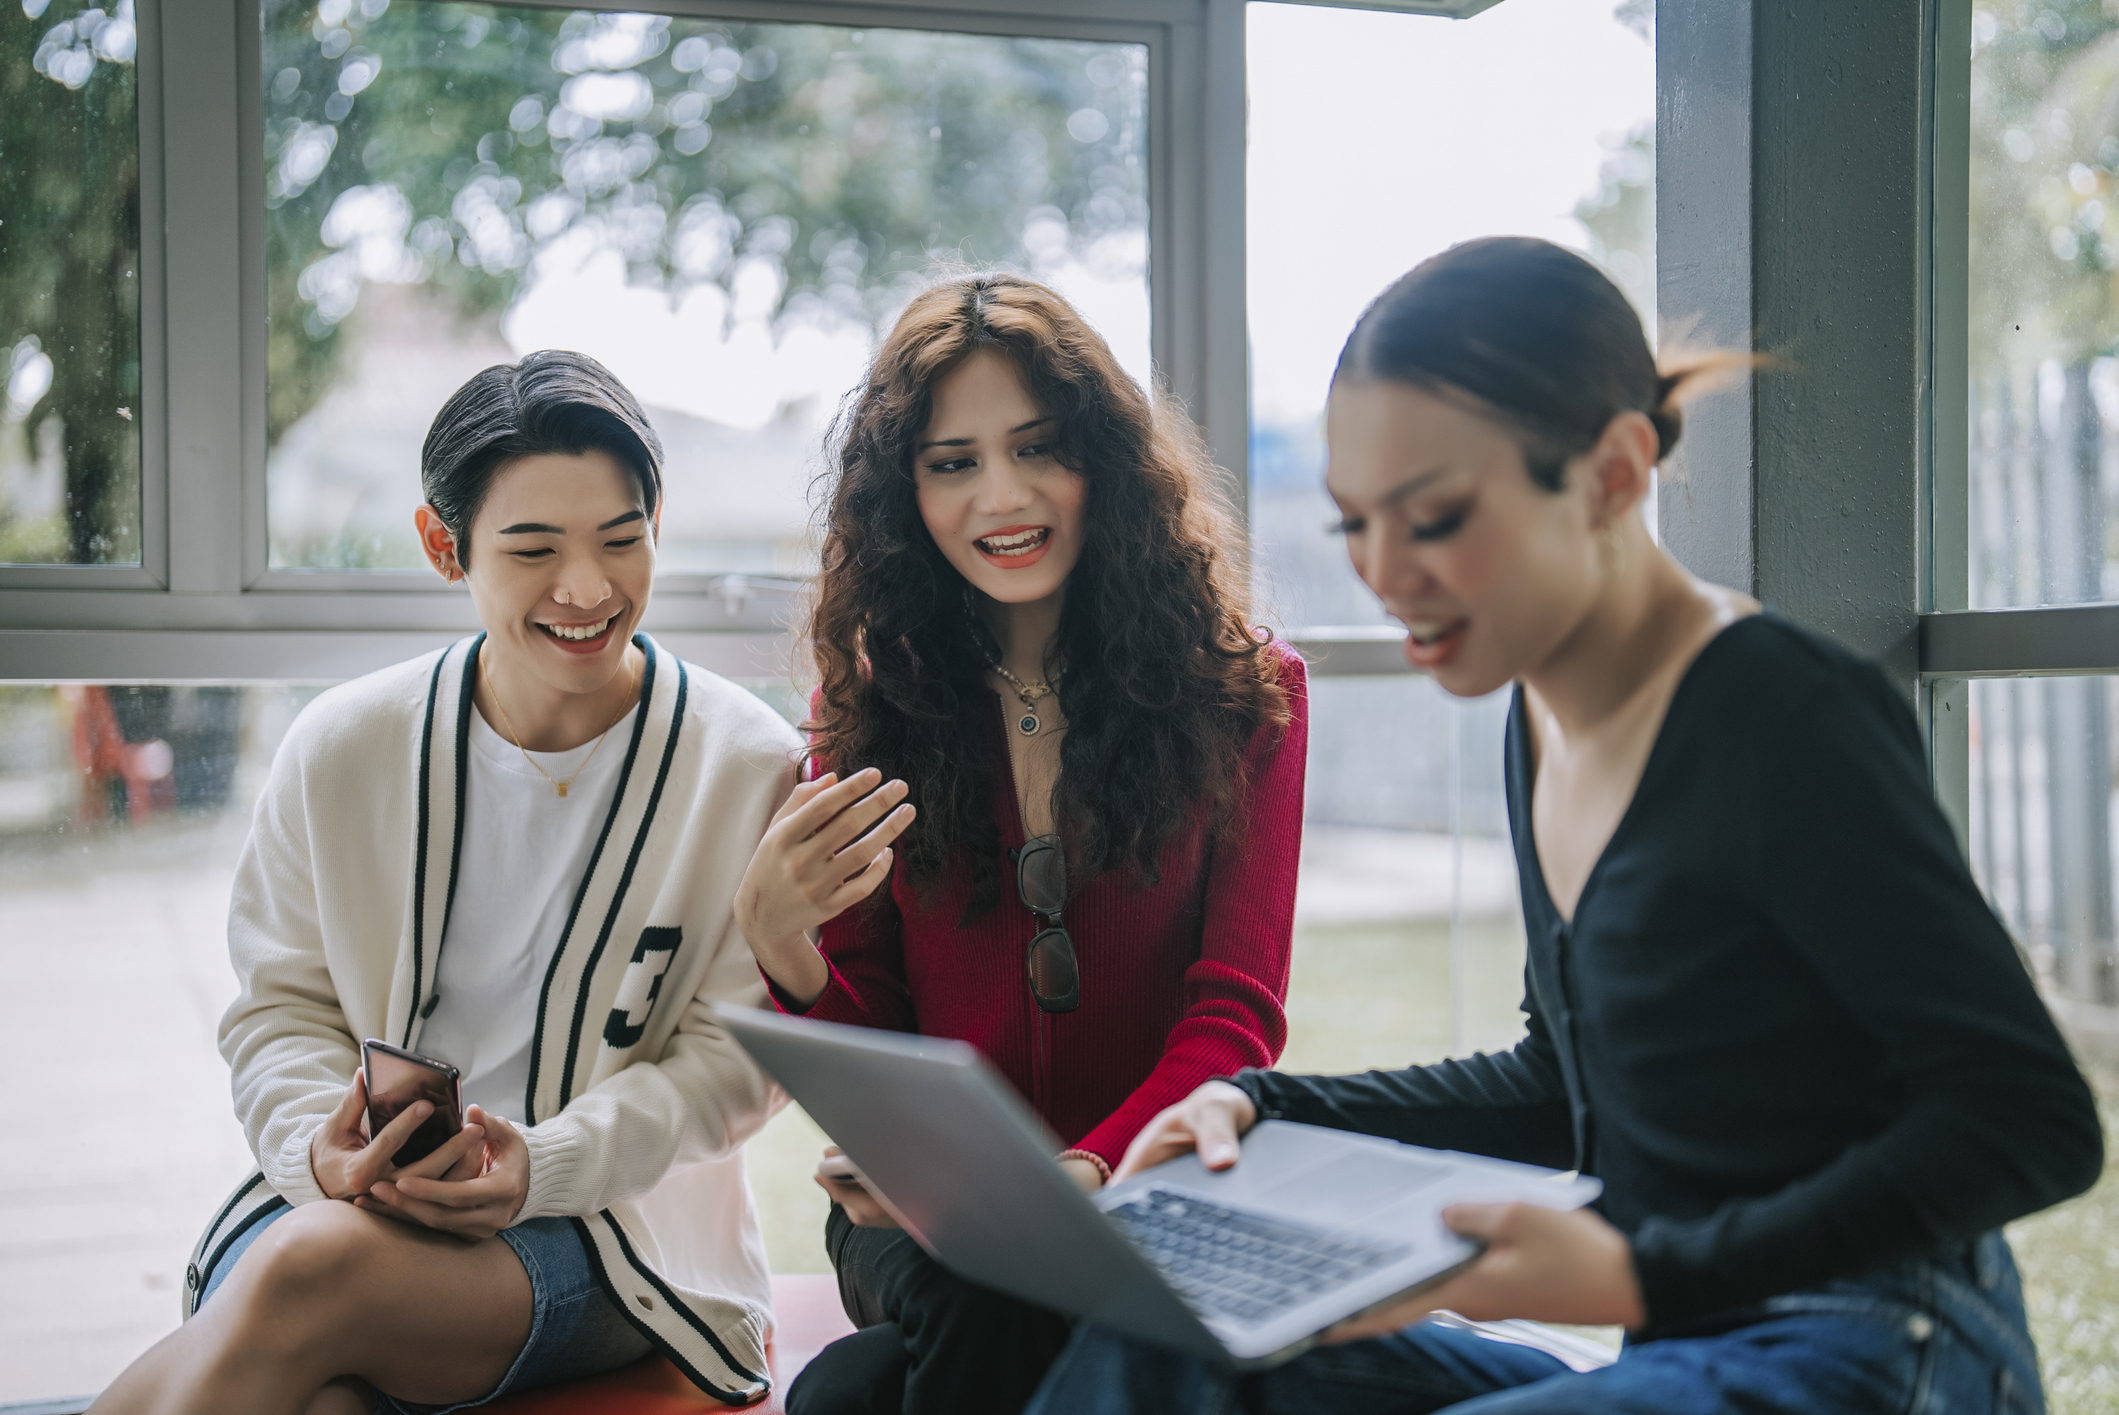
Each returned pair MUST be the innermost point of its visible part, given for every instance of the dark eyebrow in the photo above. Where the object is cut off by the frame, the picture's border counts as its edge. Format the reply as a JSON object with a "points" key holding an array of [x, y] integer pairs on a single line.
{"points": [[966, 442], [1409, 486], [526, 528]]}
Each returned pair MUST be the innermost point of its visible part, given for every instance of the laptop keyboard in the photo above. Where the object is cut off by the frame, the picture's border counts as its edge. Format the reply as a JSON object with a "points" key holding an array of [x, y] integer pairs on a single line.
{"points": [[1230, 1264]]}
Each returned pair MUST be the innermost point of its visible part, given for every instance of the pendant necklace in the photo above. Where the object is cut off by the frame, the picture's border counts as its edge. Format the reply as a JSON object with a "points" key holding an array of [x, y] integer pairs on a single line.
{"points": [[1028, 723], [558, 785]]}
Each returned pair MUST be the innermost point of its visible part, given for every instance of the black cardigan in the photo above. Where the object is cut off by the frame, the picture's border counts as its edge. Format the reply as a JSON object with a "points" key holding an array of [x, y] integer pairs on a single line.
{"points": [[1784, 1027]]}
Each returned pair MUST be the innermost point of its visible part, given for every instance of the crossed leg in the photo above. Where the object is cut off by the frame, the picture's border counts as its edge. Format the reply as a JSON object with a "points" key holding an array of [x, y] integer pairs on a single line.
{"points": [[329, 1302]]}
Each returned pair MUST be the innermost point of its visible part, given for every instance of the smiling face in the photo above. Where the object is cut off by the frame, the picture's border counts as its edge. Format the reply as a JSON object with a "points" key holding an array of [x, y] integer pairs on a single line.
{"points": [[996, 500], [562, 561], [1488, 571]]}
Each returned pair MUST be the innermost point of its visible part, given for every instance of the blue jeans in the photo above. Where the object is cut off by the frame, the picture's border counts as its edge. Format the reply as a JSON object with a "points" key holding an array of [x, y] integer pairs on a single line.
{"points": [[1932, 1337]]}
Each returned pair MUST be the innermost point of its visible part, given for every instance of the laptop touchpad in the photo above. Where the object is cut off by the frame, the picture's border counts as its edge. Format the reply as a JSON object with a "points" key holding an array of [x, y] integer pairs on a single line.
{"points": [[1353, 1184]]}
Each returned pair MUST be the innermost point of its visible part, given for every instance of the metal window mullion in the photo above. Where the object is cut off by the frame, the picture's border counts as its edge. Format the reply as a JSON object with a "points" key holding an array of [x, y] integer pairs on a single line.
{"points": [[2055, 641], [204, 309], [1217, 141], [1945, 569], [150, 89]]}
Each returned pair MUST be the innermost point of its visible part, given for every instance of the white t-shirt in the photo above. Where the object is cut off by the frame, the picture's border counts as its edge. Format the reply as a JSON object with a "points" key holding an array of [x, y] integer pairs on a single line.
{"points": [[525, 850]]}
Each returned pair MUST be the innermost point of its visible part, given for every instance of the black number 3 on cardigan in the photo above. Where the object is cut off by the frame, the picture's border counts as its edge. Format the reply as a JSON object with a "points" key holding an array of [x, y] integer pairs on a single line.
{"points": [[641, 985]]}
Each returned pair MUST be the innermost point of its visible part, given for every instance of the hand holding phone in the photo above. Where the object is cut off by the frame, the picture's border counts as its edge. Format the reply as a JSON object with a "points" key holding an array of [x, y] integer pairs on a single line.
{"points": [[473, 1193], [397, 1079], [347, 1163], [839, 1177]]}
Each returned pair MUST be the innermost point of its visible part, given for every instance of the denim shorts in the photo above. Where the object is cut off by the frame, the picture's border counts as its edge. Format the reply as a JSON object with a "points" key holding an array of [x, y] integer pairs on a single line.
{"points": [[575, 1331]]}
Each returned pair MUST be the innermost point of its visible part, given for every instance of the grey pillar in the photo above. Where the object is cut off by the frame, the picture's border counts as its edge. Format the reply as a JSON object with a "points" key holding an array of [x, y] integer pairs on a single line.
{"points": [[1789, 160]]}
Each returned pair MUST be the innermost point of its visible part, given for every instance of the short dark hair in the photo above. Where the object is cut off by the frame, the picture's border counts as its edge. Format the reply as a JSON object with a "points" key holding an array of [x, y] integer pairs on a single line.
{"points": [[553, 401], [1536, 337]]}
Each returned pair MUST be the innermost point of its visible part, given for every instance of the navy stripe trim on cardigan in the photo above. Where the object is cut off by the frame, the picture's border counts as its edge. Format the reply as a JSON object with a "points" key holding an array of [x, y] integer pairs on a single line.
{"points": [[233, 1199], [559, 951], [625, 880], [250, 1221], [678, 1305], [691, 1318], [222, 1217], [656, 1339], [466, 704], [419, 848]]}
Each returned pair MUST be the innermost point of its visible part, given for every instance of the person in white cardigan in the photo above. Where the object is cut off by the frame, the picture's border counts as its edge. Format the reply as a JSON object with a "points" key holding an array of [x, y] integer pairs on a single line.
{"points": [[518, 854]]}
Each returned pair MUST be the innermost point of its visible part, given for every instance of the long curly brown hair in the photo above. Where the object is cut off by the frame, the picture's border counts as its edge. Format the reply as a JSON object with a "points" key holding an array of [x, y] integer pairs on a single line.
{"points": [[1163, 679]]}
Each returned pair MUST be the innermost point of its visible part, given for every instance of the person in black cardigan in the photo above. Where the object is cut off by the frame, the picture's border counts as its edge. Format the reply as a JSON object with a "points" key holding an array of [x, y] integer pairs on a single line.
{"points": [[1767, 1004]]}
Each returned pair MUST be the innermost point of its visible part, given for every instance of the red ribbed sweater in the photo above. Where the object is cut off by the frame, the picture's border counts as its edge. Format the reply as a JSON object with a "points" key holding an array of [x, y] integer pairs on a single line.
{"points": [[1180, 983]]}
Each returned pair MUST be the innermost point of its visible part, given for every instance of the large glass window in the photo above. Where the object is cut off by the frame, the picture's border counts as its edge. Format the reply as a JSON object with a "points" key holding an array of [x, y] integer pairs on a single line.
{"points": [[1409, 942], [2043, 803], [1377, 140], [69, 285], [2044, 322], [121, 813], [723, 213]]}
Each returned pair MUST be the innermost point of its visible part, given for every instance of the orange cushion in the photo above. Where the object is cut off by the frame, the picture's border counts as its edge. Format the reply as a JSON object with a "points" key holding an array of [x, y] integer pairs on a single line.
{"points": [[807, 1318]]}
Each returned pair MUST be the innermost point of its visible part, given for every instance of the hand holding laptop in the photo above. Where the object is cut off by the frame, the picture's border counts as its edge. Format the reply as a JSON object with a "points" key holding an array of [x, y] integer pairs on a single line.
{"points": [[1540, 1263], [1241, 1263]]}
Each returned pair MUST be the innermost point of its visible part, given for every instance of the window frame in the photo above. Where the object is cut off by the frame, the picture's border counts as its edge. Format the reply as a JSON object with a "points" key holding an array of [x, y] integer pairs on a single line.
{"points": [[151, 572], [205, 605], [1958, 643]]}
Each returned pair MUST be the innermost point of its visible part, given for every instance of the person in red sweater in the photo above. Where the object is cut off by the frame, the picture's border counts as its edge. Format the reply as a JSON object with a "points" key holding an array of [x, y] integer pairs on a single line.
{"points": [[1029, 637]]}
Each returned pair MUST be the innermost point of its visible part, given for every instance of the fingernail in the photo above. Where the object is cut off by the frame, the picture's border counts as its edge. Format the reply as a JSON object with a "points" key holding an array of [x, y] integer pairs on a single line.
{"points": [[422, 1109], [1222, 1152]]}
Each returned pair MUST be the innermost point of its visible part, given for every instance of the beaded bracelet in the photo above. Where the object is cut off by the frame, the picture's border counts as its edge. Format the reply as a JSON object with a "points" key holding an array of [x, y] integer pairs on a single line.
{"points": [[1103, 1168]]}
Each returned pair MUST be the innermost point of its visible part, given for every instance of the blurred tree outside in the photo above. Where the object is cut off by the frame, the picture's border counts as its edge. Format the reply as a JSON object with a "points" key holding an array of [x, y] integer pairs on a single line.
{"points": [[1620, 219], [69, 285], [811, 175], [1620, 215]]}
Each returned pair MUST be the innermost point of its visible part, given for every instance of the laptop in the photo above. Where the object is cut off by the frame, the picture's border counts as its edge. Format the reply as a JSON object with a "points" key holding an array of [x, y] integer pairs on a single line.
{"points": [[1246, 1267]]}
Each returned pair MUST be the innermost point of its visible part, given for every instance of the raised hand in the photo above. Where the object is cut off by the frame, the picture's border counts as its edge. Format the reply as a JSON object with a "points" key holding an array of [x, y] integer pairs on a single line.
{"points": [[825, 851]]}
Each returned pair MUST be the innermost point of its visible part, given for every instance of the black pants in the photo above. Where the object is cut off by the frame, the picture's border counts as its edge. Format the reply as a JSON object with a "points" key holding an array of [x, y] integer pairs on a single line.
{"points": [[929, 1342]]}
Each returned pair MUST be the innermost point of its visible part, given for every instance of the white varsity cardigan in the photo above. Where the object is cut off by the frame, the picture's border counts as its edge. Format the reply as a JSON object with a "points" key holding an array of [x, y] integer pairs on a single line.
{"points": [[637, 1099]]}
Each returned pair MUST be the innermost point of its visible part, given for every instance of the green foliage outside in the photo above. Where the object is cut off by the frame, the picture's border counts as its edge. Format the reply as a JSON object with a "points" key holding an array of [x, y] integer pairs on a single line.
{"points": [[69, 272], [447, 144], [2045, 183]]}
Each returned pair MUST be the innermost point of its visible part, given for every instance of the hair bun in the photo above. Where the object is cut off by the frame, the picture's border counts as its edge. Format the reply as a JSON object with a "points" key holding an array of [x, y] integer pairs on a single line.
{"points": [[1669, 421]]}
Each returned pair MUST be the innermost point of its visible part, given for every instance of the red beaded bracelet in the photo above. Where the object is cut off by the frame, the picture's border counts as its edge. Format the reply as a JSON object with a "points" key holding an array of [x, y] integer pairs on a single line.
{"points": [[1103, 1168]]}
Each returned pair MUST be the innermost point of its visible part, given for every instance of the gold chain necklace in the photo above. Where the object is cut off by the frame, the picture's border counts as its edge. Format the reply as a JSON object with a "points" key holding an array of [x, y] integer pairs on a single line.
{"points": [[560, 786], [1028, 724]]}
